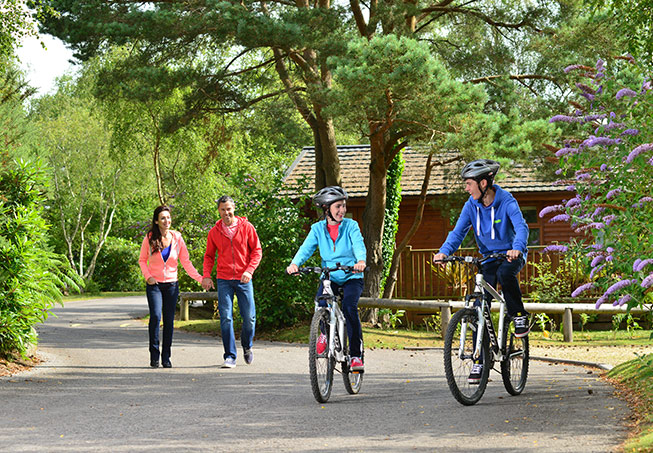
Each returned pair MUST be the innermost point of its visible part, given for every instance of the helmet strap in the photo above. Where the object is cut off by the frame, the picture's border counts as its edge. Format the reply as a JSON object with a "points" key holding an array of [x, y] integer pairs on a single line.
{"points": [[328, 213]]}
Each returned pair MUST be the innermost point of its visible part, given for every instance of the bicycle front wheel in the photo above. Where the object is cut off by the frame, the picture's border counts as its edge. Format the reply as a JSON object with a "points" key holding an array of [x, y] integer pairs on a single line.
{"points": [[514, 367], [353, 379], [320, 364], [458, 359]]}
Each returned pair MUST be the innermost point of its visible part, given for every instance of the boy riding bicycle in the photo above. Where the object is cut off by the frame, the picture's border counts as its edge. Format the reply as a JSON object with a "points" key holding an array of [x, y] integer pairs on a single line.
{"points": [[499, 227], [340, 241]]}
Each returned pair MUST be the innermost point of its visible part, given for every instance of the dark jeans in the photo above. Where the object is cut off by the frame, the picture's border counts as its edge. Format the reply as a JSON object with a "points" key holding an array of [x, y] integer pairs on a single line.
{"points": [[162, 300], [245, 295], [505, 272], [352, 290]]}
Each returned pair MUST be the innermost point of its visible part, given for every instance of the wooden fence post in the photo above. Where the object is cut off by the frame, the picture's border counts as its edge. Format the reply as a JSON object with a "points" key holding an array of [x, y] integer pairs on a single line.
{"points": [[567, 326], [408, 272], [445, 315]]}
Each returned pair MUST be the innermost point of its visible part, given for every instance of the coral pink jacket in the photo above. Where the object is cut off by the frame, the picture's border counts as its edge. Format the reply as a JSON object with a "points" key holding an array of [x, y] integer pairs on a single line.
{"points": [[152, 264], [240, 254]]}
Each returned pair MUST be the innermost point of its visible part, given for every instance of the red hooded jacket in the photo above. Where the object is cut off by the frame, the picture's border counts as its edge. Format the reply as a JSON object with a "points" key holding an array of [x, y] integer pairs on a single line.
{"points": [[235, 256]]}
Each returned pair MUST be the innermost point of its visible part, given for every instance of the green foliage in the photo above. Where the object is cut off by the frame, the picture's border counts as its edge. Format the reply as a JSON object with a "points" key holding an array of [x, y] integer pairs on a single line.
{"points": [[31, 276], [391, 222], [607, 161], [117, 267], [390, 318], [548, 286]]}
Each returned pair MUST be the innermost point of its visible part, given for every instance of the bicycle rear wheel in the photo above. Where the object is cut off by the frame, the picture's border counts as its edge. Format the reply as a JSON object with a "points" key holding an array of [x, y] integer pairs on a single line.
{"points": [[514, 367], [458, 361], [353, 379], [320, 365]]}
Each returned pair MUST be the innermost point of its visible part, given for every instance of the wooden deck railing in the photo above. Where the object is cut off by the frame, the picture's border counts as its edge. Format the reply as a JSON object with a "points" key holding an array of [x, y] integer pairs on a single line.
{"points": [[416, 280]]}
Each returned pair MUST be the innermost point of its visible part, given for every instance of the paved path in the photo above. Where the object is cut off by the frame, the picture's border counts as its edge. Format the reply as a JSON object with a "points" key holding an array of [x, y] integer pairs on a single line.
{"points": [[96, 393]]}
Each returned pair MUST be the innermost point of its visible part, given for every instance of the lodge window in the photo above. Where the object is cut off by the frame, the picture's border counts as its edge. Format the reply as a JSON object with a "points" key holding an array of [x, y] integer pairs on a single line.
{"points": [[534, 233]]}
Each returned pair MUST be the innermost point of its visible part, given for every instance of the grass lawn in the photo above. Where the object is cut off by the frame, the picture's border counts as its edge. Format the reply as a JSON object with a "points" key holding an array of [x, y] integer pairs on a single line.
{"points": [[635, 380], [102, 295]]}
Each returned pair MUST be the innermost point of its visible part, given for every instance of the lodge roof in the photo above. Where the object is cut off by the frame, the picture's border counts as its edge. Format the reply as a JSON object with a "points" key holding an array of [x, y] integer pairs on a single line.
{"points": [[355, 160]]}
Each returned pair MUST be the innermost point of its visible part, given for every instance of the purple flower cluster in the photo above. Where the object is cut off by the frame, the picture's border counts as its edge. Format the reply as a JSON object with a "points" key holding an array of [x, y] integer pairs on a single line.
{"points": [[612, 193], [597, 260], [640, 264], [573, 67], [555, 248], [604, 141], [573, 202], [594, 117], [564, 151], [550, 209], [565, 119], [619, 286], [583, 176], [639, 150], [625, 298], [560, 218], [630, 132], [580, 289], [610, 126], [648, 281], [608, 219], [625, 92], [598, 211]]}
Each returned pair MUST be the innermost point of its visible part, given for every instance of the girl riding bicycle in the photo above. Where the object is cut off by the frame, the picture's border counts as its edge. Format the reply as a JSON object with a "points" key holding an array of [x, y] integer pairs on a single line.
{"points": [[340, 241]]}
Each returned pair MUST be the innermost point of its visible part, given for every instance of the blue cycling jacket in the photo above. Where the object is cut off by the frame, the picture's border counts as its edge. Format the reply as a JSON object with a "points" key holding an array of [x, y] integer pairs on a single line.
{"points": [[348, 249], [497, 228]]}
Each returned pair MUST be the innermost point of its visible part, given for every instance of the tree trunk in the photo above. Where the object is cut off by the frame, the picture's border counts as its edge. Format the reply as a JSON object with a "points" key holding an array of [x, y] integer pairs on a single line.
{"points": [[327, 171], [374, 215]]}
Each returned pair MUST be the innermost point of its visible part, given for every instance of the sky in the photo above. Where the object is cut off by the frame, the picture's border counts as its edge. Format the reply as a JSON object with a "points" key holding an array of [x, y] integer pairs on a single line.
{"points": [[43, 66]]}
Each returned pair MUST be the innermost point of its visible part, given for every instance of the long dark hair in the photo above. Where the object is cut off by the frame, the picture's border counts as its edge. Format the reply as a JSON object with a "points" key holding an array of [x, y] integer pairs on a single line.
{"points": [[156, 244]]}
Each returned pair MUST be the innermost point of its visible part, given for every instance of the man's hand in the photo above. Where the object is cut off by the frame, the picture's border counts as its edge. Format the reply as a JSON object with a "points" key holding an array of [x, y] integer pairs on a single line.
{"points": [[438, 257], [246, 277], [513, 254], [360, 266], [207, 283], [292, 269]]}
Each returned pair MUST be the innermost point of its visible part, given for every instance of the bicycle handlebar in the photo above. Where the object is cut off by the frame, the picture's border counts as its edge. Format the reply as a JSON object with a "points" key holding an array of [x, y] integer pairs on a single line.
{"points": [[472, 259], [320, 270]]}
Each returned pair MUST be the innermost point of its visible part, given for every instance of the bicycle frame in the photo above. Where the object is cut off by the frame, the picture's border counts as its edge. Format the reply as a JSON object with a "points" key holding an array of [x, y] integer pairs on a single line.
{"points": [[485, 319], [337, 318]]}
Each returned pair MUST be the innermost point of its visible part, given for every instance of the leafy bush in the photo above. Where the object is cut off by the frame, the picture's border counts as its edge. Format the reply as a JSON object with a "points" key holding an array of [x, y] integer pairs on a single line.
{"points": [[31, 276], [117, 266], [281, 300], [606, 162]]}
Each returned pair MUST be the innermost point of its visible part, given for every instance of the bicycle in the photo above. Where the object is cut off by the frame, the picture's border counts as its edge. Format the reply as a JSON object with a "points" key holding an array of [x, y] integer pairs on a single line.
{"points": [[330, 321], [471, 338]]}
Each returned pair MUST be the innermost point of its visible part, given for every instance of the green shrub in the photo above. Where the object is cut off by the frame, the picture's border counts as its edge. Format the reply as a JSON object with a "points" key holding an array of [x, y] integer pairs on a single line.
{"points": [[31, 276], [117, 266], [281, 300]]}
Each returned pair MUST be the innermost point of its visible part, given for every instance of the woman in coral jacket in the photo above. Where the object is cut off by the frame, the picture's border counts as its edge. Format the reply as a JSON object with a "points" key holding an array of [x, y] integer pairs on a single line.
{"points": [[161, 251]]}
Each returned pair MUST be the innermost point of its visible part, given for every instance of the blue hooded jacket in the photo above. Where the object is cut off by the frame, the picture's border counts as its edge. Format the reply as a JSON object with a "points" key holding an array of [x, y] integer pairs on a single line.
{"points": [[497, 228], [348, 249]]}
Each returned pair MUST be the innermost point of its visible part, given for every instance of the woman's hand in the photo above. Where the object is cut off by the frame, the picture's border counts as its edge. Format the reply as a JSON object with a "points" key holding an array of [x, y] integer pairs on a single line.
{"points": [[151, 281], [292, 269], [360, 266]]}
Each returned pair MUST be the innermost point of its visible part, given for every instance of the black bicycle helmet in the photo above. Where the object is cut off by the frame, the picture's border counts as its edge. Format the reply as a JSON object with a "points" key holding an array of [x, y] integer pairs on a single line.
{"points": [[480, 169], [329, 195]]}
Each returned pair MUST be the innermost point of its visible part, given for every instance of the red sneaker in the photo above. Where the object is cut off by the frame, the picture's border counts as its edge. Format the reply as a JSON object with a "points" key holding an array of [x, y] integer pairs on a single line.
{"points": [[321, 346], [356, 364]]}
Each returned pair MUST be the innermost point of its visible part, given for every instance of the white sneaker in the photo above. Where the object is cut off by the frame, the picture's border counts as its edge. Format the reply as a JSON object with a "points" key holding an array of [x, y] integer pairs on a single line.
{"points": [[229, 363]]}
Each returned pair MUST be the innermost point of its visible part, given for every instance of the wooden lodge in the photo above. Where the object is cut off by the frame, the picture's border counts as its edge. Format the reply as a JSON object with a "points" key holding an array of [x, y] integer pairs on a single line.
{"points": [[416, 280]]}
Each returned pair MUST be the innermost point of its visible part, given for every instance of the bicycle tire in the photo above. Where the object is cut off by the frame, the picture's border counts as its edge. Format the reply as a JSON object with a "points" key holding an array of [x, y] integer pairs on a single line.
{"points": [[456, 368], [320, 366], [514, 366], [353, 380]]}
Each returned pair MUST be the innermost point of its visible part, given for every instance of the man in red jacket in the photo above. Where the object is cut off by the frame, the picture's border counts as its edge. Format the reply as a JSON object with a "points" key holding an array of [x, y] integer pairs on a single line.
{"points": [[239, 252]]}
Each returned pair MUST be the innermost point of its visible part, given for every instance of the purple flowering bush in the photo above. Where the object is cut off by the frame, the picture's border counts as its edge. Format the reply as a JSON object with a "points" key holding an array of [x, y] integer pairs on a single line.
{"points": [[606, 159]]}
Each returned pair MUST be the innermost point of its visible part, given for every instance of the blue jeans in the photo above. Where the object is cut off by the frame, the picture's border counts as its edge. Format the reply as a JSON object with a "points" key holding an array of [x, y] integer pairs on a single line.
{"points": [[352, 290], [245, 294], [162, 300], [505, 272]]}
